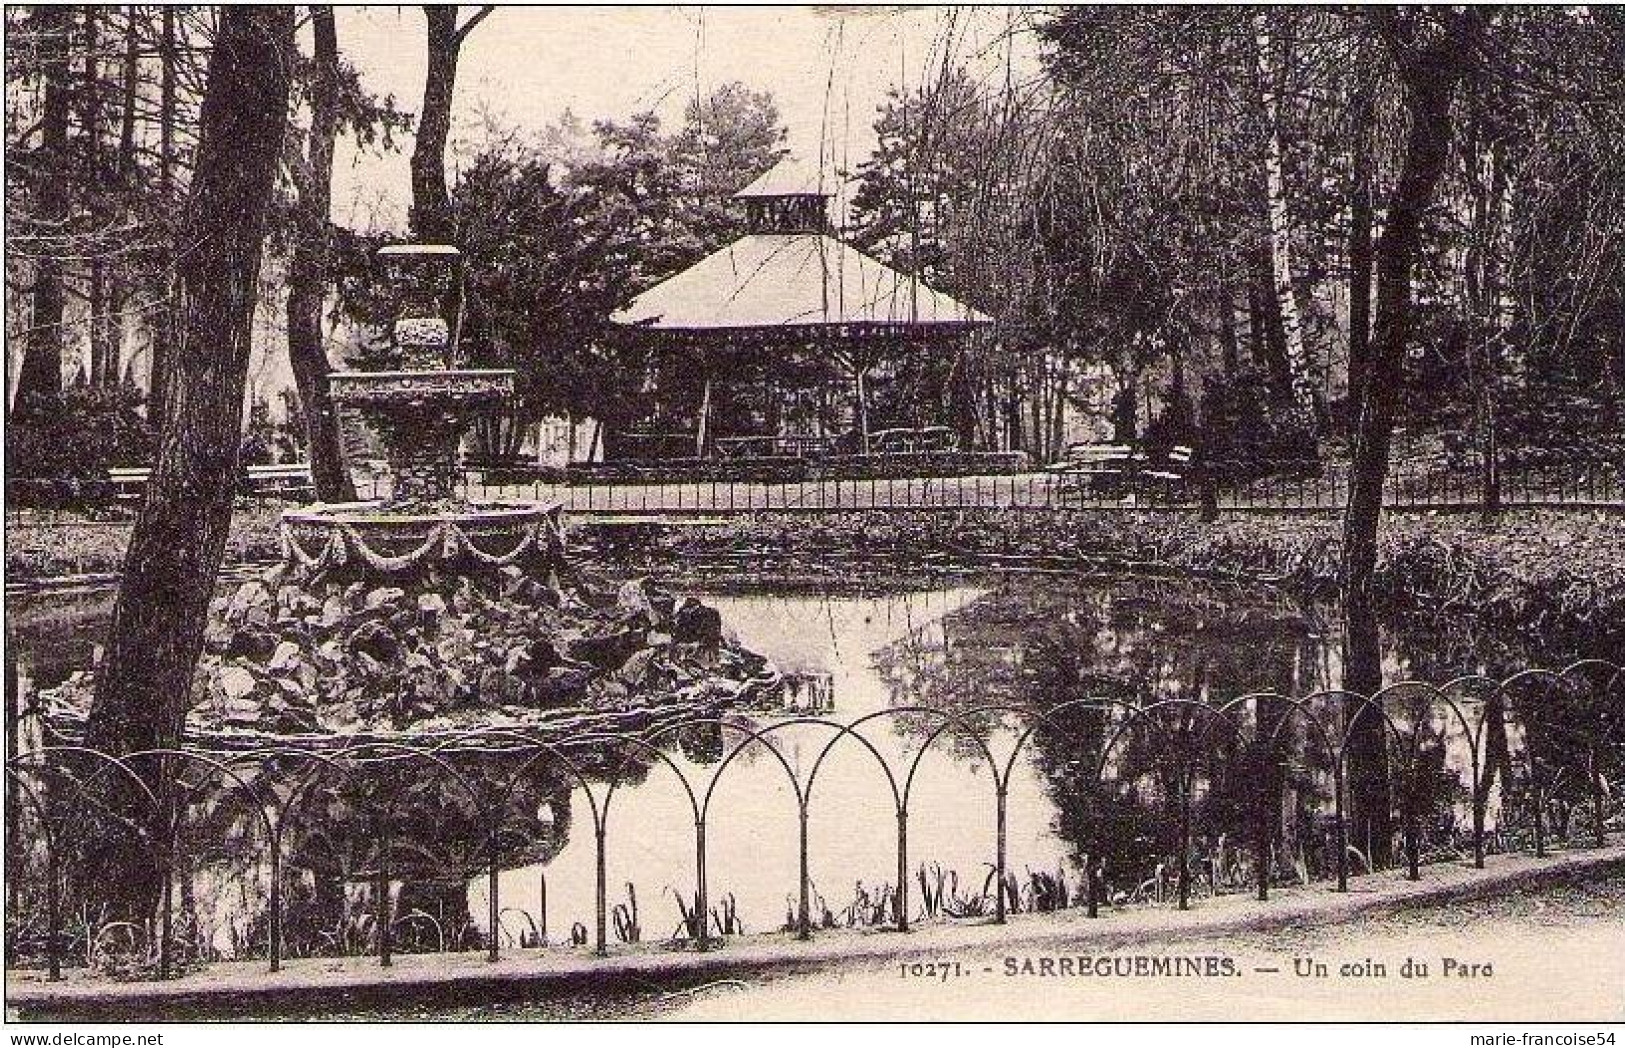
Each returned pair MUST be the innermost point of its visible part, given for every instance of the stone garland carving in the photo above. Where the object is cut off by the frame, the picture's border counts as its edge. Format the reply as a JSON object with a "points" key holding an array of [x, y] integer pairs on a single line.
{"points": [[368, 388], [344, 541]]}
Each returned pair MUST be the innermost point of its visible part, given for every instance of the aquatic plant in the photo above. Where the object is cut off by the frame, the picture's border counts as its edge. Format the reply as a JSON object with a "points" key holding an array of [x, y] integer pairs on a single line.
{"points": [[869, 909], [1046, 892], [725, 916], [625, 915], [940, 895], [820, 915], [691, 927]]}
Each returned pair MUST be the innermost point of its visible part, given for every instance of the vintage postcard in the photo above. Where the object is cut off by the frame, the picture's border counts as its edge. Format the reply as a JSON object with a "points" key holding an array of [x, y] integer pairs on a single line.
{"points": [[815, 513]]}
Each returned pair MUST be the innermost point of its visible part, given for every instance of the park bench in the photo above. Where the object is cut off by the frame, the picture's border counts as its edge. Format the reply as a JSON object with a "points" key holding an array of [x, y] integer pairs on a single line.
{"points": [[768, 445], [653, 445], [1173, 469], [1120, 468], [128, 481], [1090, 465], [290, 479], [743, 447], [904, 438], [802, 445]]}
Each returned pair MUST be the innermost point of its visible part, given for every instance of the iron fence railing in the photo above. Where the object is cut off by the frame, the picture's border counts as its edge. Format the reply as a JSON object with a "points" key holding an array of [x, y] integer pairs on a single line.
{"points": [[1544, 746], [1238, 487]]}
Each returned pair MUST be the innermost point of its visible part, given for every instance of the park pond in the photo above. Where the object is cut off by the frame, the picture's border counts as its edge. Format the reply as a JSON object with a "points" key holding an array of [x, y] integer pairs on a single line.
{"points": [[944, 643]]}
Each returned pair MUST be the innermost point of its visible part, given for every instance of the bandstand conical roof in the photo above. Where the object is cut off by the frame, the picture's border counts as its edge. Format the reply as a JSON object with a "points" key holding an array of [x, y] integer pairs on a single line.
{"points": [[790, 275], [794, 280]]}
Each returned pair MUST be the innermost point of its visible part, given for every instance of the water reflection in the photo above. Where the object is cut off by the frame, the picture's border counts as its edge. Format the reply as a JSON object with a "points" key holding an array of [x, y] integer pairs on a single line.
{"points": [[1126, 792], [1031, 643]]}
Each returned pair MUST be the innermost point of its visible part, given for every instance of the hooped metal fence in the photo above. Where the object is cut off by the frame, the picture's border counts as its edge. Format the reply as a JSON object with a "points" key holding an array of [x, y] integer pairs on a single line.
{"points": [[1544, 747]]}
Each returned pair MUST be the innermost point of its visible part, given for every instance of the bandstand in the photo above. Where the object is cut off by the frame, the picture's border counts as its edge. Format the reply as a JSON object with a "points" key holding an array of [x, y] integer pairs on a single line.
{"points": [[770, 345]]}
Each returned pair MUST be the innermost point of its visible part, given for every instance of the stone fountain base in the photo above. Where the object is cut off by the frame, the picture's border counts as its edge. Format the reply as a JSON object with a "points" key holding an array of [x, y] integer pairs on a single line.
{"points": [[334, 647], [390, 541]]}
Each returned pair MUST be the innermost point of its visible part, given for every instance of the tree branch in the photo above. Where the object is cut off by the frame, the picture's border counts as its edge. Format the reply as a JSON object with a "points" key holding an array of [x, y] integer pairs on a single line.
{"points": [[468, 26]]}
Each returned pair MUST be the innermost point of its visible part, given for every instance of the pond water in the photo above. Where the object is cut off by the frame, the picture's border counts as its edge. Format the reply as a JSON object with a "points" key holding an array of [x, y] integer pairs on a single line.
{"points": [[944, 643], [1025, 640]]}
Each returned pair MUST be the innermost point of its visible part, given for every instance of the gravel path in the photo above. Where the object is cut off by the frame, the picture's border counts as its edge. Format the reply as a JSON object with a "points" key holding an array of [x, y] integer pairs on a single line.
{"points": [[1554, 951], [1552, 954]]}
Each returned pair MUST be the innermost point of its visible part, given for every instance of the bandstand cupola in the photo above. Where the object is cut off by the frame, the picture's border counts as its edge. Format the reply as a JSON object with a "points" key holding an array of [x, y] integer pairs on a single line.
{"points": [[791, 197]]}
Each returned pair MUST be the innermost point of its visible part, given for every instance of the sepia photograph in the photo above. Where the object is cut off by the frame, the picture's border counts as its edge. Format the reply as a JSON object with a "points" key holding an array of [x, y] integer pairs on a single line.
{"points": [[790, 514]]}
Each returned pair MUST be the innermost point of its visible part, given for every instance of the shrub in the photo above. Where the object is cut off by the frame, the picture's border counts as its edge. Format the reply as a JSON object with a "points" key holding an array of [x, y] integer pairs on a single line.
{"points": [[1247, 432], [260, 438], [1175, 426], [60, 446]]}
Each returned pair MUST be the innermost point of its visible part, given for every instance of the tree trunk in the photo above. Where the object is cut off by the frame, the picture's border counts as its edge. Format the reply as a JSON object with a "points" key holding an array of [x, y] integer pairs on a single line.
{"points": [[14, 795], [1038, 387], [1429, 75], [1268, 328], [1229, 343], [118, 294], [41, 368], [990, 399], [962, 409], [1054, 439], [90, 129], [1486, 182], [91, 97], [308, 271], [130, 76], [99, 292], [1360, 223], [144, 684], [118, 300], [163, 317], [100, 310], [862, 407], [702, 424], [1302, 384], [1010, 397], [1125, 407], [432, 220]]}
